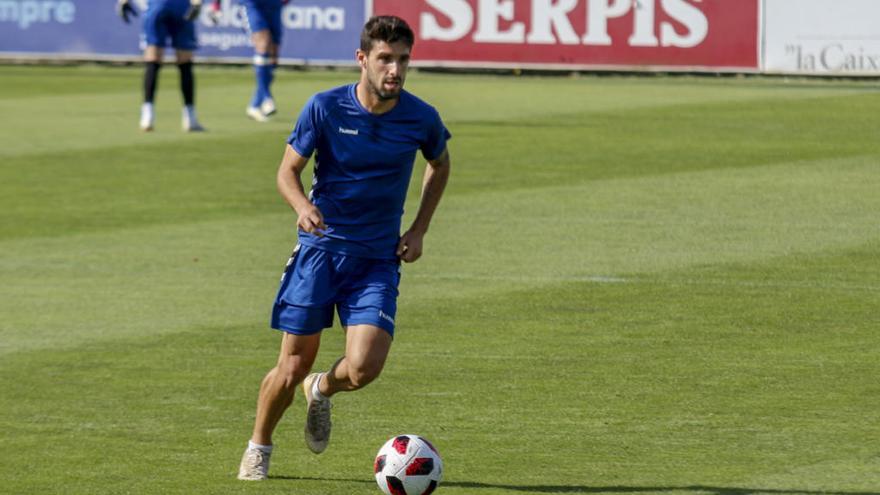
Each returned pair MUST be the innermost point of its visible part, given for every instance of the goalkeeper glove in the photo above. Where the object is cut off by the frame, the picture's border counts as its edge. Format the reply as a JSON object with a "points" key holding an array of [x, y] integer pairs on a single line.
{"points": [[215, 13], [124, 9], [195, 6]]}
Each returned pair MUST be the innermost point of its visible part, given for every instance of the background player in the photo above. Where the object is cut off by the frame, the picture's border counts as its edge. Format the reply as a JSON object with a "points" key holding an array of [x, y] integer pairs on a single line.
{"points": [[164, 19], [264, 23], [365, 137]]}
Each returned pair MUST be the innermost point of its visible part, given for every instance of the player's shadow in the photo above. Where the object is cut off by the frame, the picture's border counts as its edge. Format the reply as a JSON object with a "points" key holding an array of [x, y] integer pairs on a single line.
{"points": [[713, 490]]}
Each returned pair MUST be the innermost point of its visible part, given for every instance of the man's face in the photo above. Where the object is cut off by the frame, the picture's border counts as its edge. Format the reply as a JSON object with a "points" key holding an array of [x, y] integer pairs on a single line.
{"points": [[383, 69]]}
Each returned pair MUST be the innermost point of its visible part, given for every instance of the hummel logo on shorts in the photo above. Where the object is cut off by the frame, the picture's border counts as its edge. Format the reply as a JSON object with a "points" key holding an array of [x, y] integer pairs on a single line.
{"points": [[353, 132], [385, 316]]}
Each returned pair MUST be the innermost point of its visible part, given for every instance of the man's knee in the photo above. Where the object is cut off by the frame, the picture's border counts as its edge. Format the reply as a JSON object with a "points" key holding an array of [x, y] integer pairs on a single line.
{"points": [[262, 41], [153, 53], [360, 375], [183, 56], [293, 369]]}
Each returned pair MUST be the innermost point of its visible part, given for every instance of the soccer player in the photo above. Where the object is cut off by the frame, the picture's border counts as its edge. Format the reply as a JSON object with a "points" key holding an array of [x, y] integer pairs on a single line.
{"points": [[164, 19], [264, 23], [364, 137]]}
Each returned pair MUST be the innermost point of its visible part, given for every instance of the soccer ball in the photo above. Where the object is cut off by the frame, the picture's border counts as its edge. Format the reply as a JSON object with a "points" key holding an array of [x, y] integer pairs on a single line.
{"points": [[408, 465]]}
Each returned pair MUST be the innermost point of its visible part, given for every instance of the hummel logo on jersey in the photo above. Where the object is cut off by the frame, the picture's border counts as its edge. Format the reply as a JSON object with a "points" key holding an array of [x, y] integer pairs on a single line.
{"points": [[353, 132]]}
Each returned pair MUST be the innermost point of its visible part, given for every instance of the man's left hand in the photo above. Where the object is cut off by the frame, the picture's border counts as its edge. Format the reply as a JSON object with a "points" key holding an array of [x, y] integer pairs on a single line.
{"points": [[409, 248]]}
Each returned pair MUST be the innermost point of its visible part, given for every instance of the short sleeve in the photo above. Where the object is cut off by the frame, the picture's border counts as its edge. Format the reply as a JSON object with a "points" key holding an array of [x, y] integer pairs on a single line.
{"points": [[304, 138], [437, 135]]}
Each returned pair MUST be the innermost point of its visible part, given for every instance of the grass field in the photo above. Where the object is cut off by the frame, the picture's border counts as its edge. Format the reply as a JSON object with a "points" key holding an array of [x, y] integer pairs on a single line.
{"points": [[633, 285]]}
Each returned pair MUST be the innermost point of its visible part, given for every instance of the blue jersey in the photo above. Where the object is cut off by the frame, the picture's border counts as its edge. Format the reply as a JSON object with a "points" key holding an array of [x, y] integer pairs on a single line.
{"points": [[363, 164]]}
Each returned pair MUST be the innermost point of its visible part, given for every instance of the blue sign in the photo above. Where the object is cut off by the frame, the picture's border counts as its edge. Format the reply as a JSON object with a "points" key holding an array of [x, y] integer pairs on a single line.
{"points": [[315, 31]]}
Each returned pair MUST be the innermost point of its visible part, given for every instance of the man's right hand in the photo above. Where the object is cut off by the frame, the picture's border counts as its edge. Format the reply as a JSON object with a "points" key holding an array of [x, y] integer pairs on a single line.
{"points": [[192, 13], [124, 10], [310, 220]]}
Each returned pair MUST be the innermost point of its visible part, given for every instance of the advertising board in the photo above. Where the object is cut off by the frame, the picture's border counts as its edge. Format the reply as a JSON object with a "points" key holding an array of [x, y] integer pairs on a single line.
{"points": [[717, 35], [822, 37], [817, 37], [316, 31]]}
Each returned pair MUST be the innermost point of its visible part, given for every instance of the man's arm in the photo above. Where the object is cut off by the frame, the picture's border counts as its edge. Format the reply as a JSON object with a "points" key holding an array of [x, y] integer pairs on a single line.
{"points": [[409, 248], [289, 179]]}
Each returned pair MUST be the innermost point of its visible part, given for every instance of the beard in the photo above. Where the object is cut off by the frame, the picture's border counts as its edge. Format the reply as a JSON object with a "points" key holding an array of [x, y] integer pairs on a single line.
{"points": [[384, 95]]}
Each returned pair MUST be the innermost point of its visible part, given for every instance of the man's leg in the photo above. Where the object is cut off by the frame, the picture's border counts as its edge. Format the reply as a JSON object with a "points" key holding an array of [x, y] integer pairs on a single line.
{"points": [[268, 105], [296, 358], [272, 17], [366, 349], [152, 64], [262, 41], [189, 121]]}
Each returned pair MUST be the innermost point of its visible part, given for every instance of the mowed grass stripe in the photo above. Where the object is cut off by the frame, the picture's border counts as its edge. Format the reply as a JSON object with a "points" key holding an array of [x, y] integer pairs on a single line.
{"points": [[105, 112], [618, 227], [124, 187], [97, 122], [139, 279], [582, 147], [212, 176], [28, 82], [95, 110], [505, 99]]}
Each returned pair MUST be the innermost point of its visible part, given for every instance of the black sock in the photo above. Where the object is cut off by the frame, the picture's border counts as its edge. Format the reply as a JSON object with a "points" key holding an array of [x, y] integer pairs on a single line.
{"points": [[151, 77], [187, 83]]}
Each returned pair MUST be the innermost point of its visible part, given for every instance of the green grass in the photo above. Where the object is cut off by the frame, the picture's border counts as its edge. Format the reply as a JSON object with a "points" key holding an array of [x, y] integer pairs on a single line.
{"points": [[633, 285]]}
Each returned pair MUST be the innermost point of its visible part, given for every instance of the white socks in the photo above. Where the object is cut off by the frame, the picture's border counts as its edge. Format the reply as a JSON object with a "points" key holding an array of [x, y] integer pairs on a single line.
{"points": [[266, 449], [147, 115], [316, 392], [190, 111]]}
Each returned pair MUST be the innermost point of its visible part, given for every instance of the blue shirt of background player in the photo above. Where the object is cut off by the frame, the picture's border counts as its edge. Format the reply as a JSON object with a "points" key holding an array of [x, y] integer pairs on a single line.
{"points": [[363, 164]]}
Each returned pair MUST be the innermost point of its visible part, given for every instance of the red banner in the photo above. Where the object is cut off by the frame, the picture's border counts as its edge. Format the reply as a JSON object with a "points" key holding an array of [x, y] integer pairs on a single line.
{"points": [[676, 34]]}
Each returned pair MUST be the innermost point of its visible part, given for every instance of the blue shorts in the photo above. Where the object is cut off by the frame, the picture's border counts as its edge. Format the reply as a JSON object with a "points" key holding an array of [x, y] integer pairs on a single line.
{"points": [[165, 20], [362, 290], [262, 15]]}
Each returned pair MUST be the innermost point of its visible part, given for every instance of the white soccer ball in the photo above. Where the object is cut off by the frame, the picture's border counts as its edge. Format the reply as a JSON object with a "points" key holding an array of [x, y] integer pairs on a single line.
{"points": [[408, 465]]}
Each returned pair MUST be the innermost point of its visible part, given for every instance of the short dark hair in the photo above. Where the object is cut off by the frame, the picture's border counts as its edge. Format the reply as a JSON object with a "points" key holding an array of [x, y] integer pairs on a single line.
{"points": [[387, 28]]}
